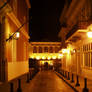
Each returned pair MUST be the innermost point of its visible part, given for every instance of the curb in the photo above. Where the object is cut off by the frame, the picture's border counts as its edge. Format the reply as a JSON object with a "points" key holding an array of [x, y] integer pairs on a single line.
{"points": [[66, 82]]}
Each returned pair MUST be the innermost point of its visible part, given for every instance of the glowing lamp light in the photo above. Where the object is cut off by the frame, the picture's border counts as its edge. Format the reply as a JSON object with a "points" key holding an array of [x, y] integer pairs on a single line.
{"points": [[64, 50], [37, 57], [42, 62], [49, 58], [54, 57], [68, 51], [17, 35], [60, 55], [74, 51], [32, 57], [43, 57], [51, 63], [89, 34]]}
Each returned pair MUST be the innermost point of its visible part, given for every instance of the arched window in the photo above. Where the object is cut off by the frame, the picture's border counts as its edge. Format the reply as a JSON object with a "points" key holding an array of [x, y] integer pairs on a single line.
{"points": [[45, 49], [34, 49], [51, 49], [40, 49]]}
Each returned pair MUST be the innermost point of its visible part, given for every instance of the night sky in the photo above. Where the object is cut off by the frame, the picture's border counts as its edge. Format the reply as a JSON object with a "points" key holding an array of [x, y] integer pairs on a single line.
{"points": [[44, 25]]}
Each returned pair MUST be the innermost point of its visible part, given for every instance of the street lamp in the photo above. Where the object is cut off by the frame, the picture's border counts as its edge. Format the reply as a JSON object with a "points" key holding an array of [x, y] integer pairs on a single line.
{"points": [[16, 32], [89, 34], [15, 36]]}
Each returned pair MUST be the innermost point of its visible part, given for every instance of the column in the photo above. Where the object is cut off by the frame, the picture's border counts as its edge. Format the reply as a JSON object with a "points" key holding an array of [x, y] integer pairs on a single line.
{"points": [[37, 49], [53, 49], [43, 49], [3, 59], [48, 49]]}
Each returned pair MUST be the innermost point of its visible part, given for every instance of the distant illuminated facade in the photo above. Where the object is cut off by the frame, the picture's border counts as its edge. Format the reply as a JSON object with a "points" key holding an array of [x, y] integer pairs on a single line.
{"points": [[44, 51], [14, 52], [76, 21]]}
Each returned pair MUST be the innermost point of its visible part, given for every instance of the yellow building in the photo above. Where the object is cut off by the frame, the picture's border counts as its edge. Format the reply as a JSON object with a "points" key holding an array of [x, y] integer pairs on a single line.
{"points": [[45, 52], [76, 21], [13, 49]]}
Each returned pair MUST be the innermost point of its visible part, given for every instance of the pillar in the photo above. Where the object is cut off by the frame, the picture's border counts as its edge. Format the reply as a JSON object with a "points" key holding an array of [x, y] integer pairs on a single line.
{"points": [[3, 60]]}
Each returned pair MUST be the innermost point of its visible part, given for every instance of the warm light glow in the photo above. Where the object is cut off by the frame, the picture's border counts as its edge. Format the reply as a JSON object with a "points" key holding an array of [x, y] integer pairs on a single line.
{"points": [[37, 57], [51, 63], [89, 34], [74, 51], [17, 35], [42, 62], [64, 50], [68, 51], [60, 55], [43, 57], [32, 57], [53, 57], [49, 58]]}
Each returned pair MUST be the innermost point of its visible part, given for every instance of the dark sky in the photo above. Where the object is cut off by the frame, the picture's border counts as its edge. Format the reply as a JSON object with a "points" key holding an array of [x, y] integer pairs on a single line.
{"points": [[44, 25]]}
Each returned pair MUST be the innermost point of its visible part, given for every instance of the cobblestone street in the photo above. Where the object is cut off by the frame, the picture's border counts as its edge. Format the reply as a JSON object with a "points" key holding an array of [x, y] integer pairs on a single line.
{"points": [[47, 81]]}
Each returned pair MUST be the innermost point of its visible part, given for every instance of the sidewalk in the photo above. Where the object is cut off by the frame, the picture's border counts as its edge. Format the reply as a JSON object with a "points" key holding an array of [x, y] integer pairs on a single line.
{"points": [[6, 87], [47, 81], [81, 82]]}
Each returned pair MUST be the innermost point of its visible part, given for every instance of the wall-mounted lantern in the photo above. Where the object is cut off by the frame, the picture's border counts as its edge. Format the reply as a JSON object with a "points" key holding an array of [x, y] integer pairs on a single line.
{"points": [[15, 36], [89, 34]]}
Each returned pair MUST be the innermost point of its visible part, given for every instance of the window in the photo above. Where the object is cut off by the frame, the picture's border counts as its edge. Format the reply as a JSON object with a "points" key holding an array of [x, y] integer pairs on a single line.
{"points": [[45, 49], [87, 55], [35, 50], [56, 49], [85, 59], [40, 49], [51, 49]]}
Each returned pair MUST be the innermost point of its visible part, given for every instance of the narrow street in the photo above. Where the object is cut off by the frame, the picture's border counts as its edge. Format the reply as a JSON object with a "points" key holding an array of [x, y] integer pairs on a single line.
{"points": [[45, 45], [47, 81]]}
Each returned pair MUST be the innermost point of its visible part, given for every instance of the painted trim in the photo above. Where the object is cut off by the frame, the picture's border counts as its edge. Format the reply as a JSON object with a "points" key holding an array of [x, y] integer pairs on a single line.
{"points": [[45, 43]]}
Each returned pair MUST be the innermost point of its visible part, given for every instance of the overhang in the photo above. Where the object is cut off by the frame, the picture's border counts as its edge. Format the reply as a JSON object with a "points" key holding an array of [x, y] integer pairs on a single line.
{"points": [[80, 34]]}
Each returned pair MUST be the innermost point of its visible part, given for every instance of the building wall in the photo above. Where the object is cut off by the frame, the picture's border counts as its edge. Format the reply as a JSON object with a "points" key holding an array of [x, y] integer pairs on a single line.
{"points": [[46, 49], [16, 69], [45, 52], [15, 52], [80, 15]]}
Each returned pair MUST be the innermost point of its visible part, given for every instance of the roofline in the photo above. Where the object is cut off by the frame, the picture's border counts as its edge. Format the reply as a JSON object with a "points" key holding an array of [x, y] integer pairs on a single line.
{"points": [[45, 42]]}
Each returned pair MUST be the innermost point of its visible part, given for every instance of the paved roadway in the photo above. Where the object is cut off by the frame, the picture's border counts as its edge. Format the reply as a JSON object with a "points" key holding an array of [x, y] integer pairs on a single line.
{"points": [[47, 81]]}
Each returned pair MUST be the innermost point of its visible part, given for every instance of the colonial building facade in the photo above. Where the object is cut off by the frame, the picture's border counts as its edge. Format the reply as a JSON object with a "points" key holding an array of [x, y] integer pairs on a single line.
{"points": [[13, 51], [76, 22], [45, 51]]}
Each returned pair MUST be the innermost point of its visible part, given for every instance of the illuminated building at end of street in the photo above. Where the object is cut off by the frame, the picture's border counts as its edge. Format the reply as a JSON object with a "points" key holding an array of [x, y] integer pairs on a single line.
{"points": [[45, 52]]}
